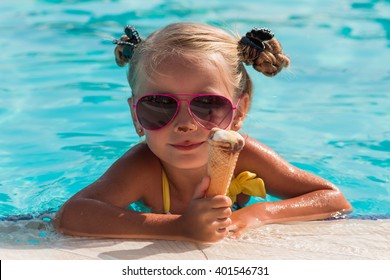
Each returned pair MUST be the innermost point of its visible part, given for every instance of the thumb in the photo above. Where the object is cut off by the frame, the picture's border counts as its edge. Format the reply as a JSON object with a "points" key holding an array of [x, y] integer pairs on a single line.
{"points": [[201, 188]]}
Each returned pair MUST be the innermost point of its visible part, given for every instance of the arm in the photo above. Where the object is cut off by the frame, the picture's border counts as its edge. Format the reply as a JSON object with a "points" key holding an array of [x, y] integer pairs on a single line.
{"points": [[84, 216], [100, 209], [206, 220], [305, 196]]}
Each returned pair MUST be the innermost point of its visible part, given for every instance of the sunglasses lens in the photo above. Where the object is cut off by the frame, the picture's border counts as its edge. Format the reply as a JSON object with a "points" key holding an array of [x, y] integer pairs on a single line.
{"points": [[212, 111], [155, 111]]}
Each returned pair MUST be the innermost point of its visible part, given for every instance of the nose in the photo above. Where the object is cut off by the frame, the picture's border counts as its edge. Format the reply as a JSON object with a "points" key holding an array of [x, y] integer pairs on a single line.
{"points": [[184, 121]]}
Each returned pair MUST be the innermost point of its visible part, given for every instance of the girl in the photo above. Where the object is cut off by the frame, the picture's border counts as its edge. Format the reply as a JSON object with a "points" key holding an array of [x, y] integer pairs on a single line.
{"points": [[186, 79]]}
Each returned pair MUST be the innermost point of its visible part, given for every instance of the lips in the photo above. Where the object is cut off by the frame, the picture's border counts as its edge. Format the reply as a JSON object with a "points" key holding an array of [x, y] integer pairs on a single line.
{"points": [[187, 146]]}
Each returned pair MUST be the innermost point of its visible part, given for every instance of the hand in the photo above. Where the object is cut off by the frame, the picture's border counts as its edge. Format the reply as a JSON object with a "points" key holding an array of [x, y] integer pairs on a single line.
{"points": [[242, 220], [206, 219]]}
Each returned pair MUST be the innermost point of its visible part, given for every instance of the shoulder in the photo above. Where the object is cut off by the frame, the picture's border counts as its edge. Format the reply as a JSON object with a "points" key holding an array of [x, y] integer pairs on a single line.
{"points": [[256, 153], [138, 155], [136, 161], [138, 166], [280, 177], [128, 179]]}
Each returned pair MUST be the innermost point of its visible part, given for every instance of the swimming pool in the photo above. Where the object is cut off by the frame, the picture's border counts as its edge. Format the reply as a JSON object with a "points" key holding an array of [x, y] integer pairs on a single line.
{"points": [[64, 118]]}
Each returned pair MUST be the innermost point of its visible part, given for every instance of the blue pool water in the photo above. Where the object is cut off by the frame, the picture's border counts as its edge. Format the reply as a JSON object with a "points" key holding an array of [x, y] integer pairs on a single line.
{"points": [[64, 118]]}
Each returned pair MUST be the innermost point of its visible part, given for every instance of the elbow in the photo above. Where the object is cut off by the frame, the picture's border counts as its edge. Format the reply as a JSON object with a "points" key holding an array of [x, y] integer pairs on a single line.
{"points": [[59, 221], [65, 221], [347, 208], [340, 203], [334, 199]]}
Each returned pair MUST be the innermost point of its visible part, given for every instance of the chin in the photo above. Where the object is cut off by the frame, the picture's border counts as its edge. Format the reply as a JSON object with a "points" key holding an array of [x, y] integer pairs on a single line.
{"points": [[190, 163]]}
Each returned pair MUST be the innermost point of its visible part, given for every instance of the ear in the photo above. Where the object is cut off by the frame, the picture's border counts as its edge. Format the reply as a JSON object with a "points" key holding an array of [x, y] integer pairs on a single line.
{"points": [[137, 126], [241, 111]]}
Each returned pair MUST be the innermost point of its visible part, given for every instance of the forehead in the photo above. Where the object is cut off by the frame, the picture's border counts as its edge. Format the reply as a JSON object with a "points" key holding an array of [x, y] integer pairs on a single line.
{"points": [[186, 74]]}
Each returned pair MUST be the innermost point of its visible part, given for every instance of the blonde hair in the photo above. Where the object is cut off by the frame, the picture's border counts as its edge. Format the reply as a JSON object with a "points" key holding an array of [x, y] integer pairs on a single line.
{"points": [[199, 42]]}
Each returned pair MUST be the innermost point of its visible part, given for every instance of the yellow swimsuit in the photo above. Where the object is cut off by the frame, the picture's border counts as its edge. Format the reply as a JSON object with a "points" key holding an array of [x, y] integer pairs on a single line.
{"points": [[246, 183]]}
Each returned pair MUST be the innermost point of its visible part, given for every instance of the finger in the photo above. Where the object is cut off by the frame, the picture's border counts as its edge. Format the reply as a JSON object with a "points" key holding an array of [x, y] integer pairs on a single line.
{"points": [[223, 213], [224, 223], [233, 228], [201, 188], [223, 231], [221, 201], [235, 231], [234, 235]]}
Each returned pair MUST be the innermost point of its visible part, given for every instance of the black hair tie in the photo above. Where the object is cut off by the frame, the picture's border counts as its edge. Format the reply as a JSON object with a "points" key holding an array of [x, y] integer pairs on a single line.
{"points": [[131, 43], [252, 44]]}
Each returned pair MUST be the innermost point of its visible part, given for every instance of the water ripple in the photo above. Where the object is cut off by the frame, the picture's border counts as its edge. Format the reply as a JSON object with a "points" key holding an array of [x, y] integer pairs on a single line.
{"points": [[64, 117]]}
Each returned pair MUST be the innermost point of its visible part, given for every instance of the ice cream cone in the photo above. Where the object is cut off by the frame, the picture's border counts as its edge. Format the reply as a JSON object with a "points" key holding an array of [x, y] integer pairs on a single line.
{"points": [[224, 149]]}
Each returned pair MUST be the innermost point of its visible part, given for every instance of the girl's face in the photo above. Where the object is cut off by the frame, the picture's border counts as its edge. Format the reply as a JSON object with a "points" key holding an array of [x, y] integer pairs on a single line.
{"points": [[182, 143]]}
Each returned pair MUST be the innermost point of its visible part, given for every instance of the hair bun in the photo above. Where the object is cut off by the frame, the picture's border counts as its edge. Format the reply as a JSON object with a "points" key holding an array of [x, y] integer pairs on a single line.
{"points": [[125, 45], [260, 49], [252, 43]]}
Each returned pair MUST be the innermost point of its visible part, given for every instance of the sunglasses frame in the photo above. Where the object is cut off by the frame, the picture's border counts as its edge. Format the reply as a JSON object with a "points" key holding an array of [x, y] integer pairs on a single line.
{"points": [[179, 100]]}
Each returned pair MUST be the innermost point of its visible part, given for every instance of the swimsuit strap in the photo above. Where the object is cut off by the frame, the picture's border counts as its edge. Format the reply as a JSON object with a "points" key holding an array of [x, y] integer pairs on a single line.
{"points": [[165, 192]]}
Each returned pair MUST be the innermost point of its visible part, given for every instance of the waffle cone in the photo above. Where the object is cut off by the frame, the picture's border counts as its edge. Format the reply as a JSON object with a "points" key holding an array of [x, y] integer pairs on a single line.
{"points": [[222, 163]]}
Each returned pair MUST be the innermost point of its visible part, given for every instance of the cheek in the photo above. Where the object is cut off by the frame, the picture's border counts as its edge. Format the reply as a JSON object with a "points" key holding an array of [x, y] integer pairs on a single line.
{"points": [[155, 142]]}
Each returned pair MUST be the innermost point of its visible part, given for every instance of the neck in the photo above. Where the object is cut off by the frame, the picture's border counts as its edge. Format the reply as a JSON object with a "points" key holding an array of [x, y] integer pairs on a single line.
{"points": [[183, 181]]}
